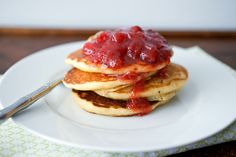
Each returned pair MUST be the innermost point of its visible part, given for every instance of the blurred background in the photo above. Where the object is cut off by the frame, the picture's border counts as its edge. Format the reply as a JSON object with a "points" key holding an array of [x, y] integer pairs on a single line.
{"points": [[98, 14]]}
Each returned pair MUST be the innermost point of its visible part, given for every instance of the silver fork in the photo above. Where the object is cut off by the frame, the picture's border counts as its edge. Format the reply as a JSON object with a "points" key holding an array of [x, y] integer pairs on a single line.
{"points": [[27, 100]]}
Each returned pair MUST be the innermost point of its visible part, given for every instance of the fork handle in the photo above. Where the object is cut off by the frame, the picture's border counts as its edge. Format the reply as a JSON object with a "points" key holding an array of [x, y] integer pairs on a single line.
{"points": [[27, 100]]}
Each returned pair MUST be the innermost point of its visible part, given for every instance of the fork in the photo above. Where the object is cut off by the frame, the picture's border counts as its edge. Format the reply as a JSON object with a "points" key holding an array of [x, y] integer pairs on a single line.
{"points": [[27, 100]]}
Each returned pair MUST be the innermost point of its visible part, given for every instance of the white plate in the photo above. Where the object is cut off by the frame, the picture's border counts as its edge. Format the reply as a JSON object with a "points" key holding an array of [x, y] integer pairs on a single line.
{"points": [[203, 107]]}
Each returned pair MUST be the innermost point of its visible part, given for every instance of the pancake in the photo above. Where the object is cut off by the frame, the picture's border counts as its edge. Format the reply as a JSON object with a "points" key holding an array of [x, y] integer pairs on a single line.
{"points": [[124, 72], [93, 103], [76, 60], [154, 88], [162, 97], [79, 61], [81, 80]]}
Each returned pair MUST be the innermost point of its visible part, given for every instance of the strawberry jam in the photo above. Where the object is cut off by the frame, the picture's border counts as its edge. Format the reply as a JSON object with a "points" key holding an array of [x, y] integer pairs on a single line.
{"points": [[136, 103], [142, 105], [122, 47]]}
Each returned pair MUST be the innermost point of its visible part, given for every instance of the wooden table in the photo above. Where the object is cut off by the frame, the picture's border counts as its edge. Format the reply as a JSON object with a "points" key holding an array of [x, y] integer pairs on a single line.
{"points": [[18, 43]]}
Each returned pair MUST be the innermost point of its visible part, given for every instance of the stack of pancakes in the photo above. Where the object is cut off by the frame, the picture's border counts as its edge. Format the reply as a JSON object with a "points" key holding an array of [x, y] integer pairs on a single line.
{"points": [[108, 91]]}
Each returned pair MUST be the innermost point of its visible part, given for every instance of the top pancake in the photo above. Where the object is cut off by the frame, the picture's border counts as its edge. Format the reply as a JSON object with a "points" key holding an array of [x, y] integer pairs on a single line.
{"points": [[76, 60]]}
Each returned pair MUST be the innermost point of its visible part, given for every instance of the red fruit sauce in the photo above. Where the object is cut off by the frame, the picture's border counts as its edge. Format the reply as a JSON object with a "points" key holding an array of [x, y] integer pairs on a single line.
{"points": [[132, 76], [121, 47], [142, 105], [137, 103]]}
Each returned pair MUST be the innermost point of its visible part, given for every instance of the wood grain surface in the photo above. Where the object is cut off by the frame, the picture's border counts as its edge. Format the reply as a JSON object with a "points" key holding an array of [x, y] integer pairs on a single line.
{"points": [[17, 43]]}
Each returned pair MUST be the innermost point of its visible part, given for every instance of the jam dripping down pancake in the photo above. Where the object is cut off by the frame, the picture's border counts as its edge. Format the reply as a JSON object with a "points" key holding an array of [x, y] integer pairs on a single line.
{"points": [[170, 79]]}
